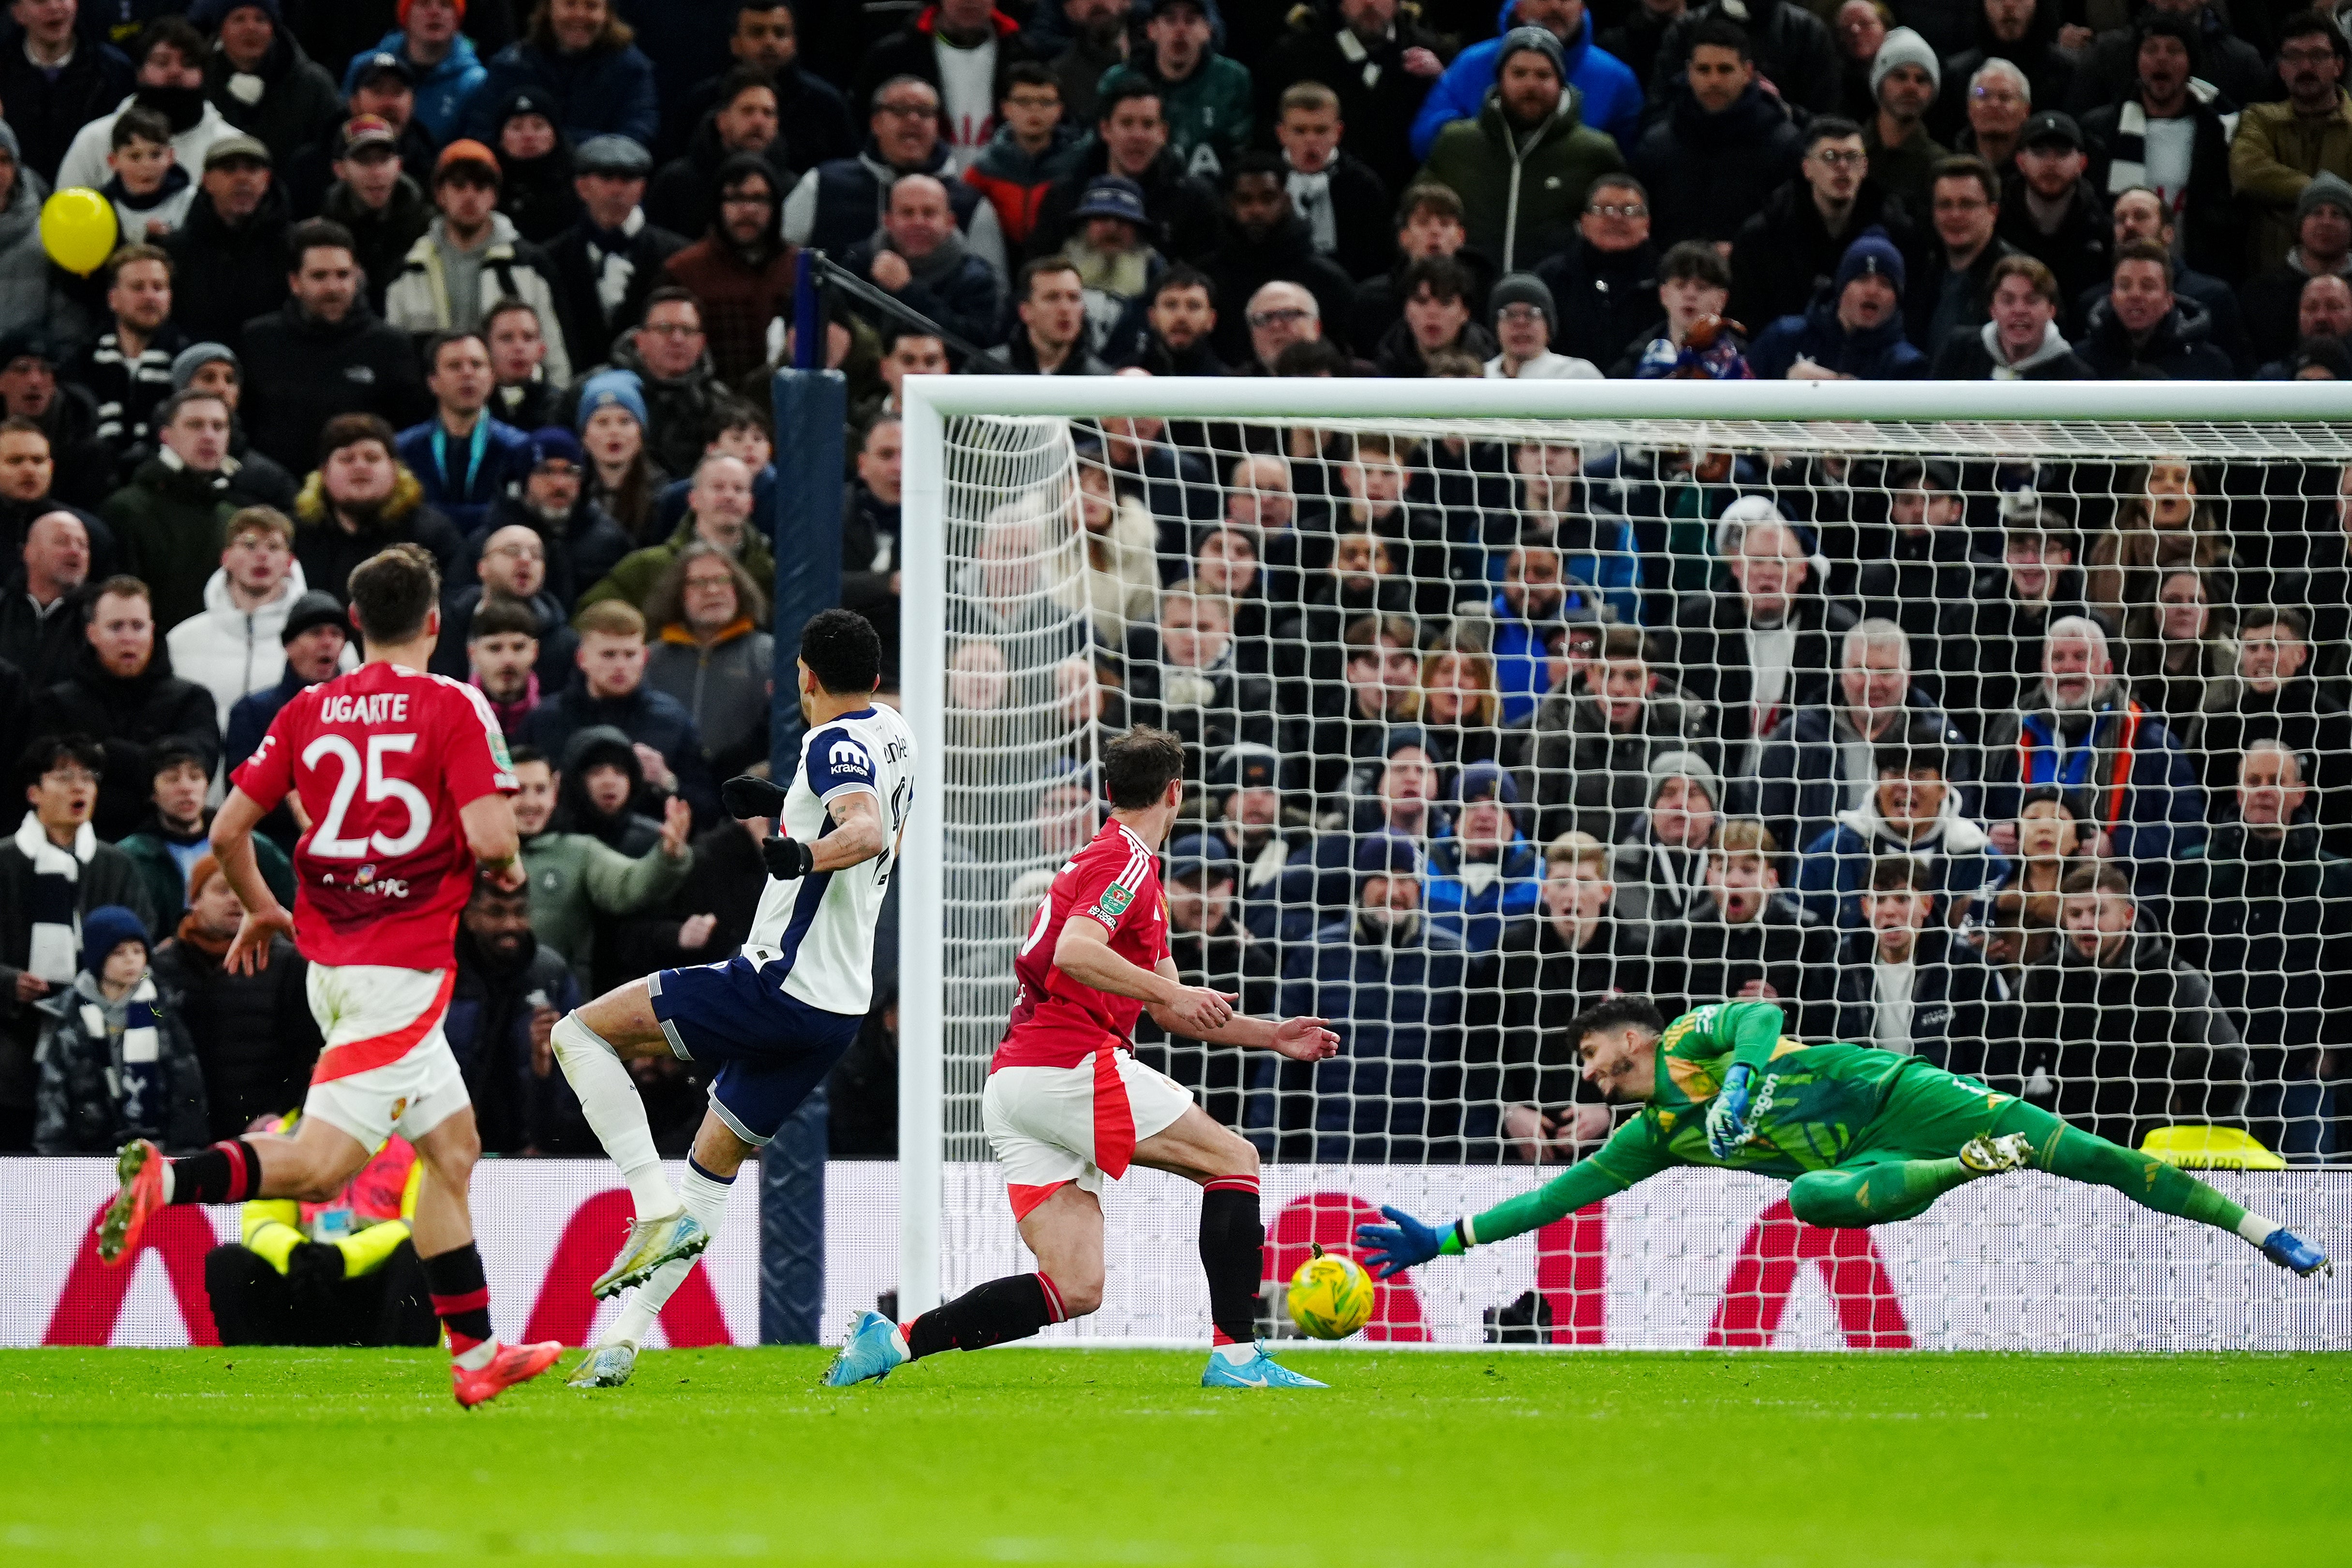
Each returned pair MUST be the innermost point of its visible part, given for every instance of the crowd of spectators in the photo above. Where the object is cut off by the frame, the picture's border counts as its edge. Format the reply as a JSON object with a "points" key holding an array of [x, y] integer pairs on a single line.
{"points": [[1479, 728]]}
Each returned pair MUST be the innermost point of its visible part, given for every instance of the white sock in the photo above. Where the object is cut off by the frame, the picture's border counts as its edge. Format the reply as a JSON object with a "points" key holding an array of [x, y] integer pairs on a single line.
{"points": [[608, 1097], [705, 1196], [1238, 1353], [2255, 1228], [478, 1358]]}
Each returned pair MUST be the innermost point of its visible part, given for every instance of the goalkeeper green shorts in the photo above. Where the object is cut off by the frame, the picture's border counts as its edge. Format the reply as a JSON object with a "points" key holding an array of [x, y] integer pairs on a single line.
{"points": [[1929, 1113]]}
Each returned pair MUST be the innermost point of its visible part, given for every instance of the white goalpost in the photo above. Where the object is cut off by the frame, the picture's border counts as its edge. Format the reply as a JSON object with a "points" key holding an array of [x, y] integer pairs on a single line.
{"points": [[1384, 615]]}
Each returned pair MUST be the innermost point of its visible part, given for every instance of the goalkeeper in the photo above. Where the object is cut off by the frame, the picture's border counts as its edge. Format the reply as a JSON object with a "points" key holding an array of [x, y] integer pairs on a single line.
{"points": [[1863, 1136]]}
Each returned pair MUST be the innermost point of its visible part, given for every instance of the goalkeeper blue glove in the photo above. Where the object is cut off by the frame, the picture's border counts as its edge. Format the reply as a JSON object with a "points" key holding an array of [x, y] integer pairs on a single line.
{"points": [[1727, 1118], [1391, 1250]]}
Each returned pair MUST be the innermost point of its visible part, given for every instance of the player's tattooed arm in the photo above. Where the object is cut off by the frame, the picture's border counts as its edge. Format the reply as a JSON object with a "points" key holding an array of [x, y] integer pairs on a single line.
{"points": [[857, 833]]}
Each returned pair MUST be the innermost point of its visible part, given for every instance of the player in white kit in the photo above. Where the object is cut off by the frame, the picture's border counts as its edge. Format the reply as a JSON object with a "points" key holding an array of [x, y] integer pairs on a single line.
{"points": [[778, 1015], [402, 777]]}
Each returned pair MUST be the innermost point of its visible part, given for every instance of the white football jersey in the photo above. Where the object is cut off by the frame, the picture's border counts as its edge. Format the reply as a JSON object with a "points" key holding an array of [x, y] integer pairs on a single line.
{"points": [[818, 931]]}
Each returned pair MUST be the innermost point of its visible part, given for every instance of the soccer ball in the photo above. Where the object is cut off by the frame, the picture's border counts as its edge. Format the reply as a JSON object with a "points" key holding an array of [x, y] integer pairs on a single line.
{"points": [[1330, 1296]]}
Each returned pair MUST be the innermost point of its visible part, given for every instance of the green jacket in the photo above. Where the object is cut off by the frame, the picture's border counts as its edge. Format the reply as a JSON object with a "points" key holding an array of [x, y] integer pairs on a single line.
{"points": [[575, 878], [1522, 191], [169, 519], [637, 572], [167, 890], [1208, 112]]}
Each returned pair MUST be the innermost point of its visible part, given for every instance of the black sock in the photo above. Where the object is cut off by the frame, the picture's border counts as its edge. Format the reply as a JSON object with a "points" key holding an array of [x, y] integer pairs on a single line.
{"points": [[228, 1172], [1011, 1307], [461, 1295], [1233, 1255]]}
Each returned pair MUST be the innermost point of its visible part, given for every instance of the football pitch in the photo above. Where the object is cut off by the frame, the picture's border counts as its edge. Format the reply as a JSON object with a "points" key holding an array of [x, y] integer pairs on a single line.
{"points": [[1118, 1457]]}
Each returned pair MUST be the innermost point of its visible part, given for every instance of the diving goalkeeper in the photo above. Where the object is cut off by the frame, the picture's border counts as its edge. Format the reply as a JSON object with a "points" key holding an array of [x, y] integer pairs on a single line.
{"points": [[1863, 1136]]}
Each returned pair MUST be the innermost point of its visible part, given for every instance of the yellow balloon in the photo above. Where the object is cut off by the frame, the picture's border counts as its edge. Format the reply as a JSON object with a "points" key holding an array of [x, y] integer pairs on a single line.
{"points": [[78, 229]]}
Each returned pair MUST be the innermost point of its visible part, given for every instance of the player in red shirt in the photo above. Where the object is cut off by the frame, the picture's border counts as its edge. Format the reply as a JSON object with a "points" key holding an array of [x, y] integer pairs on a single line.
{"points": [[403, 779], [1067, 1105]]}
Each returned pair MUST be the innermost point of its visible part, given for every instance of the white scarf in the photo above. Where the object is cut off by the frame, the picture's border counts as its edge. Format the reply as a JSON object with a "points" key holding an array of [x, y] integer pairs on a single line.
{"points": [[614, 269], [1311, 195], [56, 954], [134, 1079]]}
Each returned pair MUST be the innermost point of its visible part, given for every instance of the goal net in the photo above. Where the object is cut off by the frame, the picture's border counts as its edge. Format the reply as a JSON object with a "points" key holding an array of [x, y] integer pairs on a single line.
{"points": [[2003, 726]]}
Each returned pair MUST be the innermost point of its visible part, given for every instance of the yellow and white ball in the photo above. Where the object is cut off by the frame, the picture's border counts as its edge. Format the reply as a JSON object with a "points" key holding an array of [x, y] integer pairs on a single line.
{"points": [[1330, 1296]]}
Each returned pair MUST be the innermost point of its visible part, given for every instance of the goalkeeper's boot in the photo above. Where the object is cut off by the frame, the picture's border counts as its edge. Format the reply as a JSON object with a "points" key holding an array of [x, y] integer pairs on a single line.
{"points": [[875, 1349], [606, 1366], [510, 1365], [139, 1168], [2003, 1152], [2289, 1250], [1261, 1371], [651, 1244]]}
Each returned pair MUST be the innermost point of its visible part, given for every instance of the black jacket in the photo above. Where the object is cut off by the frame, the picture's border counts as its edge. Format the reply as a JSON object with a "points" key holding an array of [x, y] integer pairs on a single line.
{"points": [[646, 717], [1242, 266], [1793, 51], [1925, 288], [1518, 1050], [1988, 647], [580, 551], [2225, 322], [2109, 68], [1231, 961], [127, 717], [489, 1027], [683, 197], [1962, 1019], [2303, 715], [1377, 97], [1708, 174], [222, 277], [911, 51], [1704, 960], [1363, 217], [1785, 253], [2121, 1050], [1707, 643], [2082, 252], [1186, 208], [300, 103], [253, 1032], [1964, 357], [108, 876], [384, 236], [1380, 302], [869, 559], [45, 113], [2178, 346], [811, 110], [589, 326], [38, 648], [1603, 298], [558, 644], [300, 372], [2211, 240], [2257, 915]]}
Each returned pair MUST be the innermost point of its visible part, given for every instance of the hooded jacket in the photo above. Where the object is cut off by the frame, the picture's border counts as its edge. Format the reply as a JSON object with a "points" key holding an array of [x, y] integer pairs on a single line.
{"points": [[1877, 354], [442, 89], [600, 91], [742, 289], [168, 519], [289, 102], [300, 372], [1480, 901], [127, 715], [1973, 353], [328, 552], [229, 651], [1834, 871], [645, 717], [683, 197], [1611, 93], [1708, 172], [1521, 191], [1801, 772], [2121, 1048], [575, 878], [512, 268], [2178, 345]]}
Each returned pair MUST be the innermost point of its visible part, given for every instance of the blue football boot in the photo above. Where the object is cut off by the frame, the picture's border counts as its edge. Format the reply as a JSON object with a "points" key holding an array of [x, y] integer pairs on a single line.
{"points": [[875, 1349], [1261, 1371], [2289, 1250]]}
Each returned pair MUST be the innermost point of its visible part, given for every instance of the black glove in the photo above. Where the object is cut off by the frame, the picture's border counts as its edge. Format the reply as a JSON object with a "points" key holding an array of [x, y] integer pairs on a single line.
{"points": [[314, 1266], [747, 798], [788, 859]]}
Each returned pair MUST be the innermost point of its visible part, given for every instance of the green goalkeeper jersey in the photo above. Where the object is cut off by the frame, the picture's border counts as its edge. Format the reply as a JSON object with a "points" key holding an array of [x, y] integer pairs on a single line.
{"points": [[1809, 1106]]}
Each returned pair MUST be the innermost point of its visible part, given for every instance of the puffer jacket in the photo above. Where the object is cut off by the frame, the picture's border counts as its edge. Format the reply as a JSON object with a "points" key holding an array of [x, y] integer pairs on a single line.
{"points": [[1613, 94], [512, 268], [2179, 346], [169, 520], [441, 89], [1521, 196], [1016, 181], [229, 651], [1709, 173], [29, 295], [1835, 867], [97, 1093], [298, 103], [1881, 353], [327, 551], [254, 1034], [600, 90]]}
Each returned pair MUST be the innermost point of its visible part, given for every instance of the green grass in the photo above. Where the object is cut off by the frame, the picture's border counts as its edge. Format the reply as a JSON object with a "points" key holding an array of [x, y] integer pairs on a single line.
{"points": [[1109, 1457]]}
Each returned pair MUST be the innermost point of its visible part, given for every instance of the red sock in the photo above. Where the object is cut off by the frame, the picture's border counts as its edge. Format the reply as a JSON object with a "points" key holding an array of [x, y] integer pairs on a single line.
{"points": [[461, 1296]]}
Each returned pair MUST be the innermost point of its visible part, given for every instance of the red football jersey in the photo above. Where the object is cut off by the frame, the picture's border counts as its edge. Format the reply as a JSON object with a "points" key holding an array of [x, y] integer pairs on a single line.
{"points": [[1057, 1021], [384, 760]]}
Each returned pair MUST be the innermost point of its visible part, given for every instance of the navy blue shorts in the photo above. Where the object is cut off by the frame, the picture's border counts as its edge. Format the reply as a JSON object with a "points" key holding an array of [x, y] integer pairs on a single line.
{"points": [[772, 1049]]}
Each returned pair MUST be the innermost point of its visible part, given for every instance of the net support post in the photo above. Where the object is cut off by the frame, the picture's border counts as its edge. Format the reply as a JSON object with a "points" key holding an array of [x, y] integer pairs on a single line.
{"points": [[922, 888]]}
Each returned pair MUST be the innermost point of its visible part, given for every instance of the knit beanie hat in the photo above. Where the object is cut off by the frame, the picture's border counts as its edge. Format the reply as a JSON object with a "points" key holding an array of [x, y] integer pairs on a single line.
{"points": [[1873, 252], [2325, 189], [202, 869], [1685, 765], [1522, 288], [106, 928], [195, 356], [1538, 40], [1905, 47], [612, 389]]}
